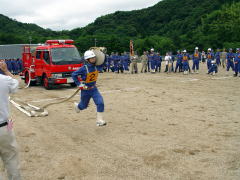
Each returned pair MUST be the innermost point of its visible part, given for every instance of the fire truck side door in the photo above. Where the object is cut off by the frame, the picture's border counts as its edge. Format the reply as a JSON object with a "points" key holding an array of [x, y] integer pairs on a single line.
{"points": [[46, 58], [39, 63]]}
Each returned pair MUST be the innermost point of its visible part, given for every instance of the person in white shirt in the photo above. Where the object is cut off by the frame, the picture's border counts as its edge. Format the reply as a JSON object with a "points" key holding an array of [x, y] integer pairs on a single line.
{"points": [[168, 61], [8, 144]]}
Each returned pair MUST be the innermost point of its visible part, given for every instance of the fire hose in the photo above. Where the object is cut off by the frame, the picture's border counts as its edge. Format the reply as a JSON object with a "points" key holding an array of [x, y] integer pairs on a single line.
{"points": [[34, 111], [31, 110]]}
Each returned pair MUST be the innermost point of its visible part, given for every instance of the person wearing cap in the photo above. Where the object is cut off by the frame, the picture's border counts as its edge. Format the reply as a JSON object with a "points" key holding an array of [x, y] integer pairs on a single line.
{"points": [[196, 59], [185, 59], [230, 57], [223, 57], [85, 78], [218, 57], [237, 62], [8, 144], [210, 58], [152, 61], [179, 61]]}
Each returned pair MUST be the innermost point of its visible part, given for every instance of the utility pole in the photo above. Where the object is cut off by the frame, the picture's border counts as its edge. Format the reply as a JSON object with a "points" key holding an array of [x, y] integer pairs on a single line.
{"points": [[95, 42], [30, 39]]}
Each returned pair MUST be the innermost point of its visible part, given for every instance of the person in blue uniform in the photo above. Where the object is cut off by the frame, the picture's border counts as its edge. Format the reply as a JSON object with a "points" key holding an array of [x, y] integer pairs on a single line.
{"points": [[9, 65], [196, 59], [126, 62], [86, 78], [111, 62], [210, 58], [121, 63], [179, 61], [230, 57], [218, 57], [116, 60], [158, 62], [185, 59], [151, 60], [213, 68], [237, 62]]}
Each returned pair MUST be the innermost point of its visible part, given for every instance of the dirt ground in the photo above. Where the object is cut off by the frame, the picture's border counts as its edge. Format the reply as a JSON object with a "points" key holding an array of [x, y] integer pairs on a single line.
{"points": [[160, 127]]}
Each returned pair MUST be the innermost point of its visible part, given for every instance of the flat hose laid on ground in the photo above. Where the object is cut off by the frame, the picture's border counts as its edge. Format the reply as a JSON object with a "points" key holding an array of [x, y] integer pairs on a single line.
{"points": [[34, 111]]}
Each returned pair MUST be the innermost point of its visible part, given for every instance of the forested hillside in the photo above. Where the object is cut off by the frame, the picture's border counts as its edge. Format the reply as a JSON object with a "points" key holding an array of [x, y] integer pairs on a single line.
{"points": [[168, 25]]}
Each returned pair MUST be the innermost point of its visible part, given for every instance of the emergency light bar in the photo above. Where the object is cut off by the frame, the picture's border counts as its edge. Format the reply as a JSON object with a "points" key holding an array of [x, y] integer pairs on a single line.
{"points": [[69, 41]]}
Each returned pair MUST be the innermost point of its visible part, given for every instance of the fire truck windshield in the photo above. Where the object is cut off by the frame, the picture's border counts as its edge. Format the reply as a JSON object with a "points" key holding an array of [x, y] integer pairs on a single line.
{"points": [[63, 56]]}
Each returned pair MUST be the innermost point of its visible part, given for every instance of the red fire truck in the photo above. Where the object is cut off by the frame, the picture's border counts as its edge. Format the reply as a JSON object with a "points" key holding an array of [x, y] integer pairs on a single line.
{"points": [[51, 63]]}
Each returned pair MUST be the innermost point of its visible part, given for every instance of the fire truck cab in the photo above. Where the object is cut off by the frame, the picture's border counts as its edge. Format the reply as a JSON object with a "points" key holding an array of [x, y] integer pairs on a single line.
{"points": [[51, 63]]}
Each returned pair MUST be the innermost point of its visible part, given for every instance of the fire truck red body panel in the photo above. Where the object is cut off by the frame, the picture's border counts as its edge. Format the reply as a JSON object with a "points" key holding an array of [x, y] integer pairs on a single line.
{"points": [[51, 63]]}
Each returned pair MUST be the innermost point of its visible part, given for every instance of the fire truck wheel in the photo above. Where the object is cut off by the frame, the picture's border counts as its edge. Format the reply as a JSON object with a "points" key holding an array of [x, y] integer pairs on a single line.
{"points": [[73, 85], [27, 79], [46, 83]]}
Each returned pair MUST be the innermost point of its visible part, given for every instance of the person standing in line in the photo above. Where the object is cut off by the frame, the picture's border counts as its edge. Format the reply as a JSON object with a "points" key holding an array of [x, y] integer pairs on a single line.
{"points": [[152, 61], [230, 57], [223, 57], [125, 62], [196, 59], [185, 59], [144, 60], [237, 62], [158, 62], [167, 59], [134, 61], [210, 58], [179, 61], [203, 57], [218, 57], [8, 144]]}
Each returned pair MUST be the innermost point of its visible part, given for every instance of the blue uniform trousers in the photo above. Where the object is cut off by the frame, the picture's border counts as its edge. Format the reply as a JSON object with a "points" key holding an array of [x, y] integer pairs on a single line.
{"points": [[209, 64], [195, 65], [86, 95], [237, 68], [153, 64], [230, 64], [125, 66], [178, 65], [185, 66], [218, 61]]}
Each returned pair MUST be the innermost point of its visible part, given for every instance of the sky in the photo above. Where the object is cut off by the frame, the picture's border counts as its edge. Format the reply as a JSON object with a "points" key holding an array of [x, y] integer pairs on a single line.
{"points": [[66, 14]]}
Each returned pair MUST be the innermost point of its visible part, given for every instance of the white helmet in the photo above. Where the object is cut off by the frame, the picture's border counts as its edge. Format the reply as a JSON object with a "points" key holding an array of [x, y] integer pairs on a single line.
{"points": [[184, 50], [209, 49], [152, 49], [89, 54], [196, 48]]}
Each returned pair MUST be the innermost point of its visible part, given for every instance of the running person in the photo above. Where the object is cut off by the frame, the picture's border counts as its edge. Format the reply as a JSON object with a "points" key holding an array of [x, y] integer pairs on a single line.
{"points": [[87, 83]]}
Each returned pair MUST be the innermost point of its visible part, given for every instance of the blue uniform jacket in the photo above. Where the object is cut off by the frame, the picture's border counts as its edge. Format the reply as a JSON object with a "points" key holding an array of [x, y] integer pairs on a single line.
{"points": [[217, 55], [210, 56], [82, 72], [196, 57], [179, 58], [230, 56], [237, 58]]}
